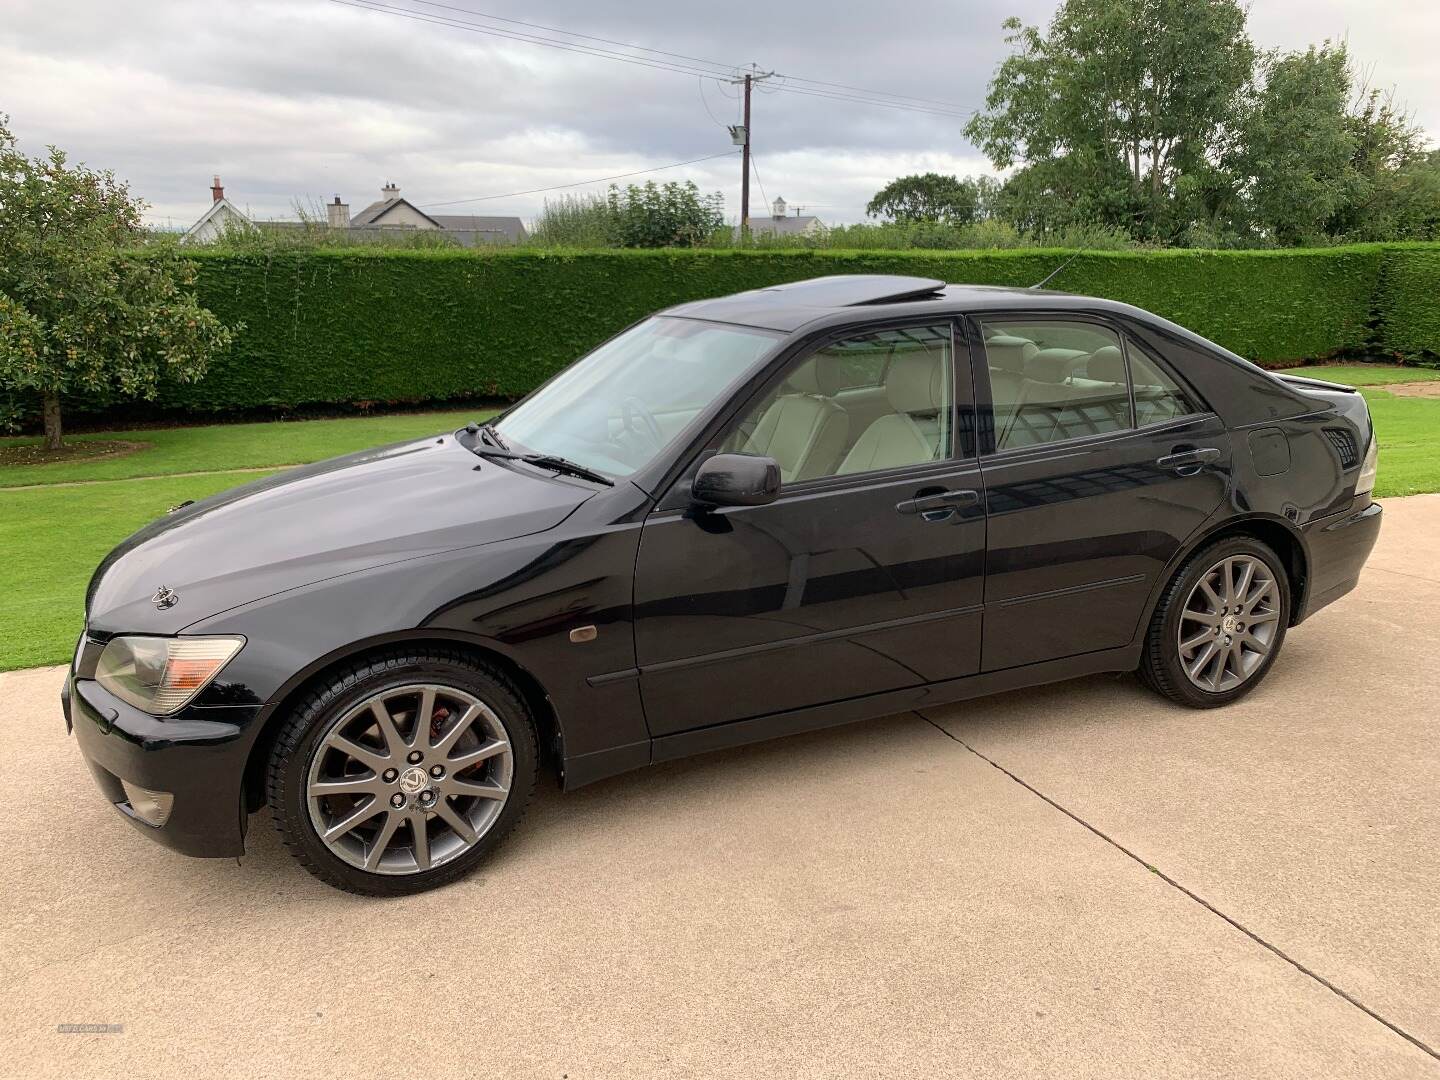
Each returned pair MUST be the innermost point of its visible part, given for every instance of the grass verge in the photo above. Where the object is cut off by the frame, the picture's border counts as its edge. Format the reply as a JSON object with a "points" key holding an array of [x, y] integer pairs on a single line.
{"points": [[230, 446], [54, 538]]}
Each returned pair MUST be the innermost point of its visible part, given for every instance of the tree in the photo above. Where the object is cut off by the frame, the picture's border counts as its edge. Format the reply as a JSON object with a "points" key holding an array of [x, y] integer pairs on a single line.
{"points": [[932, 197], [1117, 99], [80, 308], [1296, 147]]}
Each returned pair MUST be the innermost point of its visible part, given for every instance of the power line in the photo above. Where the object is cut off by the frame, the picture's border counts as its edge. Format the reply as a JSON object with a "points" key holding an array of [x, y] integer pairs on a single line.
{"points": [[436, 20], [571, 33], [872, 101], [682, 64], [876, 93], [756, 166], [678, 56], [700, 82], [578, 183]]}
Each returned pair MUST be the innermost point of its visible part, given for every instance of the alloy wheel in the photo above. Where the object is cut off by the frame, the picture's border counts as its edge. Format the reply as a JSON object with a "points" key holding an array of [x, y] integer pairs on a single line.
{"points": [[409, 779], [1229, 623]]}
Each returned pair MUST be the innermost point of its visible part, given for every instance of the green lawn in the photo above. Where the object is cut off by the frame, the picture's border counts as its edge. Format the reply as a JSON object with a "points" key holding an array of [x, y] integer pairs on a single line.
{"points": [[54, 538], [236, 446], [1366, 374]]}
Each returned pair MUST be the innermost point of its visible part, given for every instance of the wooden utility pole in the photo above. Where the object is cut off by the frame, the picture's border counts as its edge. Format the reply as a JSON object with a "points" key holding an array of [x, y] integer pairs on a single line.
{"points": [[749, 79], [745, 166]]}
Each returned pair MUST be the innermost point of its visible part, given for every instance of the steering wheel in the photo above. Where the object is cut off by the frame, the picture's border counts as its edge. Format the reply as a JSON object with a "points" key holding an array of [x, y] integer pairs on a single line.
{"points": [[633, 409]]}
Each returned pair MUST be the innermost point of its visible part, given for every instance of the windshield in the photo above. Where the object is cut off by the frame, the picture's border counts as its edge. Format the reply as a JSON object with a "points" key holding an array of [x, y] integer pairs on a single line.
{"points": [[616, 409]]}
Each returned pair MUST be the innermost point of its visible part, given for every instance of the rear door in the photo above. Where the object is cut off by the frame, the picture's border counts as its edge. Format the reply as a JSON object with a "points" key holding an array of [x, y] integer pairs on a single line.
{"points": [[864, 578], [1098, 465]]}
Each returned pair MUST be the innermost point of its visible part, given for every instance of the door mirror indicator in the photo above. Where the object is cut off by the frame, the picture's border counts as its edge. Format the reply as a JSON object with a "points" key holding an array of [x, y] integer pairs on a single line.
{"points": [[736, 480]]}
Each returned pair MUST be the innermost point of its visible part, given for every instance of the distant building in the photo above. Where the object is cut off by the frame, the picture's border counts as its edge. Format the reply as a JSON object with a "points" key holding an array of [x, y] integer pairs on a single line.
{"points": [[221, 215], [391, 214], [781, 223]]}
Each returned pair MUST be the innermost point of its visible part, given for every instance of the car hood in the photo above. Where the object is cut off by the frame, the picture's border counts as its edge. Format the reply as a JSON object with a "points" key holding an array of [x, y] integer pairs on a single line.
{"points": [[319, 521]]}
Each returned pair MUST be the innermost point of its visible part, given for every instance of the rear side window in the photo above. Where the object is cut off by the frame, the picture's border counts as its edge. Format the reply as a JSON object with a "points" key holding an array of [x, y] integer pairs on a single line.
{"points": [[1054, 381], [1157, 397]]}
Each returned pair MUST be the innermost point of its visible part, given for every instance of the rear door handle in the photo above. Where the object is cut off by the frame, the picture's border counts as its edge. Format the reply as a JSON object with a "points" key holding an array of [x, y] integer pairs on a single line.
{"points": [[938, 505], [1189, 462]]}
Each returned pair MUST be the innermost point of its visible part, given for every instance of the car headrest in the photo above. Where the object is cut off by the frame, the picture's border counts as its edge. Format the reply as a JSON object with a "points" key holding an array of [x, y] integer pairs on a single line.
{"points": [[1106, 364], [1049, 366], [1009, 353], [823, 374], [915, 382]]}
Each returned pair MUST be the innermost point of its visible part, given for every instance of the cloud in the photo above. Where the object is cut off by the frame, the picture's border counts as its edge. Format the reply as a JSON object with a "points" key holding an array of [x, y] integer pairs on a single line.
{"points": [[298, 100]]}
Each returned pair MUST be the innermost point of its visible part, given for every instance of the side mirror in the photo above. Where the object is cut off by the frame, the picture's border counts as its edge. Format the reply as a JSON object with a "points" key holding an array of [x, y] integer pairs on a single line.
{"points": [[736, 480]]}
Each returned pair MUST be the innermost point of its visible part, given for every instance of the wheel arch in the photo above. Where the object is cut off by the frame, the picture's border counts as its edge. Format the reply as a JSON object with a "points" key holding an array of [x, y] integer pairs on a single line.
{"points": [[1275, 532], [548, 731]]}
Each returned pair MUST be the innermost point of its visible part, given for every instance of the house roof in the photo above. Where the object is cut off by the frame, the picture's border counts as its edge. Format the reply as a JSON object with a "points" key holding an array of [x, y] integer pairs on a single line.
{"points": [[785, 226], [372, 214], [512, 227], [218, 208]]}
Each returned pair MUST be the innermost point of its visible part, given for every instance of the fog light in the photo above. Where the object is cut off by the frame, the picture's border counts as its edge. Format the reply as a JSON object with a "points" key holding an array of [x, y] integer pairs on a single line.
{"points": [[151, 807]]}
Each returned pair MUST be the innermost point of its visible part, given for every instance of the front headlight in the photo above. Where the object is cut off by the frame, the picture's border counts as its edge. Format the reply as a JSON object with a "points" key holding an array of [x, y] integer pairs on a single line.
{"points": [[161, 675], [1365, 482]]}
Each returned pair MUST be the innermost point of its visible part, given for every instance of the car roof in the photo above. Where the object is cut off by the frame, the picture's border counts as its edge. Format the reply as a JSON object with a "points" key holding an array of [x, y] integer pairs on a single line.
{"points": [[835, 298]]}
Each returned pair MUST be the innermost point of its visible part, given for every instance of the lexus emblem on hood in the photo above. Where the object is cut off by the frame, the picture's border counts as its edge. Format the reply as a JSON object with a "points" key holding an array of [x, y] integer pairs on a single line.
{"points": [[165, 597]]}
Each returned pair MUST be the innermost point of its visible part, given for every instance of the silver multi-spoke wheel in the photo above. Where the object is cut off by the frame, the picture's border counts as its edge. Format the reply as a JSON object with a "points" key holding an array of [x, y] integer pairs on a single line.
{"points": [[1229, 623], [409, 779]]}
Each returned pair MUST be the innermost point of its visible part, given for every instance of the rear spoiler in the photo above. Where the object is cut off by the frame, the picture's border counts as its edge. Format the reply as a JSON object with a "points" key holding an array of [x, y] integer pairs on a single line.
{"points": [[1313, 384]]}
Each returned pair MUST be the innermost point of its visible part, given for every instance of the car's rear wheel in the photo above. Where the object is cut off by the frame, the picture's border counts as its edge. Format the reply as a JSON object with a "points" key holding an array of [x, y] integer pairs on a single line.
{"points": [[1219, 624], [402, 772]]}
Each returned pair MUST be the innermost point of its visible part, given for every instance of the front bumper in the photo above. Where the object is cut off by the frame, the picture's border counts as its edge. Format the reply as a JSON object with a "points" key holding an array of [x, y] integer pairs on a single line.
{"points": [[1338, 548], [198, 756]]}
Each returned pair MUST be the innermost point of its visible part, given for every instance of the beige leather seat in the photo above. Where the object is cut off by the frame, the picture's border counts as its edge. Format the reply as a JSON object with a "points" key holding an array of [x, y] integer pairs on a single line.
{"points": [[916, 430], [1006, 357], [1051, 407], [803, 429]]}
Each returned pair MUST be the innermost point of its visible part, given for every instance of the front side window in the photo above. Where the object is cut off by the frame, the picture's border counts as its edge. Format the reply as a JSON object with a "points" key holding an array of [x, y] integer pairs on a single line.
{"points": [[1052, 381], [616, 409], [873, 401]]}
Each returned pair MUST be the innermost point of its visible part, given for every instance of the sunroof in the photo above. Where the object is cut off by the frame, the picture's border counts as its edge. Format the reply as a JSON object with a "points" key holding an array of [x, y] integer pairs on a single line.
{"points": [[852, 290]]}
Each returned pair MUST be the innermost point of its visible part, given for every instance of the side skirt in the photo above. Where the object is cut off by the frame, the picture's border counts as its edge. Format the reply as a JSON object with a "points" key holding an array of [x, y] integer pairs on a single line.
{"points": [[775, 725]]}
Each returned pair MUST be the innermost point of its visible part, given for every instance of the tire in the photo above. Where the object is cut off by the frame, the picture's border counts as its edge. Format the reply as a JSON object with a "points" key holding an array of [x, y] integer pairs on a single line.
{"points": [[465, 778], [1241, 624]]}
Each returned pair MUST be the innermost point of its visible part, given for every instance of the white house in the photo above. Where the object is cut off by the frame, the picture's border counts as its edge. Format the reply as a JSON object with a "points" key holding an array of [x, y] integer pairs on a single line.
{"points": [[221, 215], [781, 223]]}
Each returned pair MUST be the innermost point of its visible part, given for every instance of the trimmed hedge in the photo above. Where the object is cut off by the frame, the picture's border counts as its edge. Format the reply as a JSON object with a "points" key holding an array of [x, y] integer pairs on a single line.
{"points": [[358, 325], [1407, 301]]}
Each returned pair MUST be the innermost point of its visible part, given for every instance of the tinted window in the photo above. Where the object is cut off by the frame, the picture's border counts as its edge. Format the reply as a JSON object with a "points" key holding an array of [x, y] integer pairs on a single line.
{"points": [[1045, 392], [812, 432], [1157, 396]]}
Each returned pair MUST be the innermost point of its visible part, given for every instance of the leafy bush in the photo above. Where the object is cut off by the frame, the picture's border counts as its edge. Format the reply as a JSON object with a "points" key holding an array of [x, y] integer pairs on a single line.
{"points": [[387, 326]]}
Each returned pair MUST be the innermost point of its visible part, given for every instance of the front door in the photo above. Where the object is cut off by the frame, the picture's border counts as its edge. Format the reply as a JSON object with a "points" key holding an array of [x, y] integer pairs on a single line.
{"points": [[1098, 466], [866, 574]]}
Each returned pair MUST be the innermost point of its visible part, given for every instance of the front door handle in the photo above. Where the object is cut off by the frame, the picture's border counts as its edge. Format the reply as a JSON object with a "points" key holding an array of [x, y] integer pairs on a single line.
{"points": [[1189, 462], [938, 505]]}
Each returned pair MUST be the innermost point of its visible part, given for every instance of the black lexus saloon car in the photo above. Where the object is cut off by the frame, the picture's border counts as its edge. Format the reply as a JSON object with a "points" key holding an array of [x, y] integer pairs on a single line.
{"points": [[741, 518]]}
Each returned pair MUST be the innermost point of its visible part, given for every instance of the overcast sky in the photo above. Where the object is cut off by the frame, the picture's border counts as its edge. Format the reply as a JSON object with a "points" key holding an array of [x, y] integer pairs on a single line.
{"points": [[304, 99]]}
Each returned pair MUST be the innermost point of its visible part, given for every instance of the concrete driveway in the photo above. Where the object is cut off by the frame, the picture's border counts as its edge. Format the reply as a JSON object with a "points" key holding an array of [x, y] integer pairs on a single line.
{"points": [[1074, 881]]}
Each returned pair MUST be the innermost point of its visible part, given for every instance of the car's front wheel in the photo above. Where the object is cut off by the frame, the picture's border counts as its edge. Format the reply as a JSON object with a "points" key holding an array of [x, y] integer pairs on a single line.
{"points": [[1219, 624], [402, 771]]}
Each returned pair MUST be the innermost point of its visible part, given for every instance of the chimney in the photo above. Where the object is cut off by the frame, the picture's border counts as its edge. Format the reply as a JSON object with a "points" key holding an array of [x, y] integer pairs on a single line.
{"points": [[338, 214], [390, 191], [779, 207], [216, 191]]}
